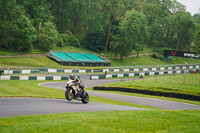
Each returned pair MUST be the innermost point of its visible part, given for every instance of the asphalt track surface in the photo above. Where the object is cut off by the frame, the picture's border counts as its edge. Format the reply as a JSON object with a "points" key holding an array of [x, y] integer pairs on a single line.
{"points": [[30, 106]]}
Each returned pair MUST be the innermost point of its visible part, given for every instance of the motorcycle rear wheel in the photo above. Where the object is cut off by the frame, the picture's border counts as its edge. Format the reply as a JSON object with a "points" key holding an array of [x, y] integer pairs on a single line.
{"points": [[85, 98]]}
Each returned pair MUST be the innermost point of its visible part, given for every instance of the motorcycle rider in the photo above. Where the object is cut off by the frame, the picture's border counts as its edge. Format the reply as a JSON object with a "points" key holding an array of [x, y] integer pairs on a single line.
{"points": [[71, 77], [74, 78], [76, 81]]}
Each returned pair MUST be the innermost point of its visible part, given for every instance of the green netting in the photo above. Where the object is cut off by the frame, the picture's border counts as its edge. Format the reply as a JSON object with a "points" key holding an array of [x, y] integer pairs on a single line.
{"points": [[94, 58], [62, 56], [79, 57]]}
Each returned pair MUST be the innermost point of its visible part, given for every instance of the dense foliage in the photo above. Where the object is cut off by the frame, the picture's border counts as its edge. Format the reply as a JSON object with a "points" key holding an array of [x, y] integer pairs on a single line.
{"points": [[96, 24], [48, 36], [132, 34], [94, 40], [197, 41]]}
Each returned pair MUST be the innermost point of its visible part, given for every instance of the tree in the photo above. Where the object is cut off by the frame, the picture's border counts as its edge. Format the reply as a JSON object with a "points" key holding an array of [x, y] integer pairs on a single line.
{"points": [[82, 17], [25, 34], [67, 39], [16, 28], [73, 41], [156, 13], [6, 34], [184, 27], [197, 41], [138, 48], [94, 40], [38, 11], [133, 31], [197, 18], [48, 37], [110, 14]]}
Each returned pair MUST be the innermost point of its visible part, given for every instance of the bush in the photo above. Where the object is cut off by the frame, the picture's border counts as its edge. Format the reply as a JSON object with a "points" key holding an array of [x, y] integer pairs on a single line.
{"points": [[60, 42], [161, 57], [74, 42], [154, 55], [71, 40], [157, 56]]}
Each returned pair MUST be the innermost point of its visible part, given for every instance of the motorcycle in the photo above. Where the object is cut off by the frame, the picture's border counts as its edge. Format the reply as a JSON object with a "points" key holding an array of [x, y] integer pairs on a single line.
{"points": [[76, 90]]}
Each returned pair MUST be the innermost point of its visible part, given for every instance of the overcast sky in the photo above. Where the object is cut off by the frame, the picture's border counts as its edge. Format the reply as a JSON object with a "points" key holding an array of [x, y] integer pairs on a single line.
{"points": [[192, 6]]}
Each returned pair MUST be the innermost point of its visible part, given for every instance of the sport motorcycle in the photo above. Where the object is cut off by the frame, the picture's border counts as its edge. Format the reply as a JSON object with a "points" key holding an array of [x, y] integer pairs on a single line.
{"points": [[76, 90]]}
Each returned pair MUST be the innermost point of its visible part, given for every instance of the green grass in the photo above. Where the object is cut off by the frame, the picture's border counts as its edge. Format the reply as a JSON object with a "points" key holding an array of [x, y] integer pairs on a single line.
{"points": [[28, 89], [147, 60], [27, 61], [105, 122], [184, 83], [13, 52], [135, 61], [180, 60]]}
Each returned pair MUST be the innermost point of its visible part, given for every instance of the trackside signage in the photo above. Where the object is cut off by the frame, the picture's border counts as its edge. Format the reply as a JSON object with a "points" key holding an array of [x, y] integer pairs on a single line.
{"points": [[181, 54], [191, 55]]}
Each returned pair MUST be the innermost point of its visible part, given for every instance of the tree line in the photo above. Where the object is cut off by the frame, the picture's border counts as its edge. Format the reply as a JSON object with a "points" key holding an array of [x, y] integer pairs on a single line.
{"points": [[99, 25]]}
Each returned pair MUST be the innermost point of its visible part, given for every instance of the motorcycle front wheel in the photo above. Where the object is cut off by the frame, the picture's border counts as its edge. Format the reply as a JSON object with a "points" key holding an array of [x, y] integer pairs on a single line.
{"points": [[69, 94], [85, 98]]}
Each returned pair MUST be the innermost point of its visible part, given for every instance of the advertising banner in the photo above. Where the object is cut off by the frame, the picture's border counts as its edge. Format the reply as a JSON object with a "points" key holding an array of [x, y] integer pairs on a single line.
{"points": [[181, 54]]}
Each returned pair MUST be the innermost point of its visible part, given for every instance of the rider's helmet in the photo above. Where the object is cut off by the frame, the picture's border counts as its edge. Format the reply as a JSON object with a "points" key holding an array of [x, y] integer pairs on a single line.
{"points": [[76, 79], [71, 77]]}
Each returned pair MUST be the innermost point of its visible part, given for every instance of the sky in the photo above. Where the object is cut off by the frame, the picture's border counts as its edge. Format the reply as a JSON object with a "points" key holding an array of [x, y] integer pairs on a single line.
{"points": [[192, 6]]}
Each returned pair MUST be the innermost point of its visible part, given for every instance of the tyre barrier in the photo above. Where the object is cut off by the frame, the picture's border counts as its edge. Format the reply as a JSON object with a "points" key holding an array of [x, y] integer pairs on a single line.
{"points": [[33, 78], [148, 92]]}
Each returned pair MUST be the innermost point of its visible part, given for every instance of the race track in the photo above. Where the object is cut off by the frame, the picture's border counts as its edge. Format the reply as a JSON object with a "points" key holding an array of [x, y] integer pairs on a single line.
{"points": [[31, 106]]}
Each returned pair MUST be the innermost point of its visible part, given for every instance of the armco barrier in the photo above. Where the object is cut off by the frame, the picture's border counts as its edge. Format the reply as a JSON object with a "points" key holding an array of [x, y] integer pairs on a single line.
{"points": [[148, 92], [145, 69], [21, 71], [33, 78], [121, 69], [140, 74]]}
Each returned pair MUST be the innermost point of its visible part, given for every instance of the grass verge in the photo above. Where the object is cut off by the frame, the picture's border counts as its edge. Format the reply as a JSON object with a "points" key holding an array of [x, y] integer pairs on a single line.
{"points": [[105, 122], [147, 60], [184, 83]]}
